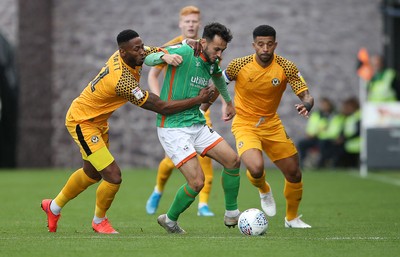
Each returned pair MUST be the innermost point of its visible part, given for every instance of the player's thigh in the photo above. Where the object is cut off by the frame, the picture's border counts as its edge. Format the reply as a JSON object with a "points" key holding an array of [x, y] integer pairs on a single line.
{"points": [[209, 143], [193, 173], [112, 173], [225, 155], [253, 160], [91, 142], [277, 144], [191, 170]]}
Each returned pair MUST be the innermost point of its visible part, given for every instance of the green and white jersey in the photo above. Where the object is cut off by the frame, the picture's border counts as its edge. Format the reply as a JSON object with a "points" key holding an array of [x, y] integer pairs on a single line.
{"points": [[186, 81]]}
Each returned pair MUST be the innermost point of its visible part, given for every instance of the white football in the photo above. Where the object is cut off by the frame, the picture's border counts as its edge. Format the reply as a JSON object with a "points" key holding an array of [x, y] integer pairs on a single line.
{"points": [[253, 222]]}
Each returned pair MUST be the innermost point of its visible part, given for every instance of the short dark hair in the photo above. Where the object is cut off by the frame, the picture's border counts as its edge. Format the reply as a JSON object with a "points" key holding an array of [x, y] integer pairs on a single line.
{"points": [[215, 28], [264, 31], [126, 35]]}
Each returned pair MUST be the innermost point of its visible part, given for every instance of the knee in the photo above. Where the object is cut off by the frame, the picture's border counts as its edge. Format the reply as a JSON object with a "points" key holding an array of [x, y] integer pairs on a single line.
{"points": [[91, 172], [235, 162], [293, 175], [256, 169], [256, 173], [197, 185], [95, 175], [112, 174], [116, 177]]}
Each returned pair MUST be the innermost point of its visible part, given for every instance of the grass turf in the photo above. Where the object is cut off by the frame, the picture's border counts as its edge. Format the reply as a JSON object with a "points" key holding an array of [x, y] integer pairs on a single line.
{"points": [[350, 216]]}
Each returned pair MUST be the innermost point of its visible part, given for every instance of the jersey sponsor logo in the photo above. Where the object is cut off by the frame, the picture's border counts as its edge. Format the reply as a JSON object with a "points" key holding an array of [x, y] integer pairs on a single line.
{"points": [[198, 64], [275, 82], [137, 92], [199, 81], [94, 139]]}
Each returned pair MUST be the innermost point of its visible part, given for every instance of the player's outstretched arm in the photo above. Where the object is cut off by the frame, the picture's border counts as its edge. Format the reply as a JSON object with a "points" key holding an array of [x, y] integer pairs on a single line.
{"points": [[161, 57], [307, 103], [154, 103]]}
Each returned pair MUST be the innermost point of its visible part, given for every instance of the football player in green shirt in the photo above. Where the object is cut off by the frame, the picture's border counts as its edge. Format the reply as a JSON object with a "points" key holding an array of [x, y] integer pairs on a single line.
{"points": [[185, 134]]}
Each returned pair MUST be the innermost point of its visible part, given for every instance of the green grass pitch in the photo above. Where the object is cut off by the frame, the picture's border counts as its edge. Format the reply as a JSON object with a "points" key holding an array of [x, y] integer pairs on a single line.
{"points": [[351, 216]]}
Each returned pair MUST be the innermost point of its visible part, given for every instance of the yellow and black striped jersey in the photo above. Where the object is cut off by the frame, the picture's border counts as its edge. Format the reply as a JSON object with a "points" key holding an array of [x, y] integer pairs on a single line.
{"points": [[116, 84], [258, 90]]}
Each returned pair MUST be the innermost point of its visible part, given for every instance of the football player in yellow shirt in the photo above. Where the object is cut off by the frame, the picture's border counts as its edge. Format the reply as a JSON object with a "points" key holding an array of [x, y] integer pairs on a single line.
{"points": [[87, 122], [261, 79], [189, 23]]}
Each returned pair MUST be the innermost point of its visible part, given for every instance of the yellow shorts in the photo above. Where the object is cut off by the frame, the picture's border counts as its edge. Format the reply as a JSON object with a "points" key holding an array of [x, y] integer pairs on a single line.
{"points": [[93, 143], [269, 136], [208, 118]]}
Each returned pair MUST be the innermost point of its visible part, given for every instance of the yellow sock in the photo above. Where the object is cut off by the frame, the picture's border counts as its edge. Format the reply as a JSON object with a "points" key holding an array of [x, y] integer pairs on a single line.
{"points": [[104, 197], [293, 193], [260, 182], [206, 165], [76, 183], [165, 169]]}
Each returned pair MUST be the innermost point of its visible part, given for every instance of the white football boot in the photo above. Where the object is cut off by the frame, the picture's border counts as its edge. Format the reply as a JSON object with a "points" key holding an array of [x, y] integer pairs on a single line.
{"points": [[296, 223], [268, 203]]}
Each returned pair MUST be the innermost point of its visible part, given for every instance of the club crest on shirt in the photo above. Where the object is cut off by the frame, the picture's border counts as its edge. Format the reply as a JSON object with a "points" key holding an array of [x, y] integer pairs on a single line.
{"points": [[275, 82], [94, 139], [212, 68], [240, 144]]}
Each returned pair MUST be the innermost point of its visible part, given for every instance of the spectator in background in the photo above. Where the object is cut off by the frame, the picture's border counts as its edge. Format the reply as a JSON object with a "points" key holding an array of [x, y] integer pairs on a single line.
{"points": [[381, 88], [317, 133], [348, 143]]}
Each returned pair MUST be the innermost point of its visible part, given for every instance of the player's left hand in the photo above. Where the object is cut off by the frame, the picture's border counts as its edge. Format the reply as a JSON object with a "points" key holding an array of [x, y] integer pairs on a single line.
{"points": [[172, 59], [195, 44], [206, 94], [302, 111]]}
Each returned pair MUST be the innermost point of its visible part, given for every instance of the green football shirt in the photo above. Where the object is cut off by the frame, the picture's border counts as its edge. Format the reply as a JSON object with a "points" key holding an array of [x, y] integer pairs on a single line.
{"points": [[186, 81]]}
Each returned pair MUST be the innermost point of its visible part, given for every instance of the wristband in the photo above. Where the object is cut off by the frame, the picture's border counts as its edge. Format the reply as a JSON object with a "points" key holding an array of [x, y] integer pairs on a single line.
{"points": [[307, 106]]}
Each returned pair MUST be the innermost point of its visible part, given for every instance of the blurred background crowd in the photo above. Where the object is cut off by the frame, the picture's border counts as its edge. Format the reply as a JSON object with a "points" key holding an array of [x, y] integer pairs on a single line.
{"points": [[49, 50]]}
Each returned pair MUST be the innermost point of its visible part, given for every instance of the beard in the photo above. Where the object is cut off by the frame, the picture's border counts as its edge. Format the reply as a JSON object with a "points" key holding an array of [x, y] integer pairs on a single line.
{"points": [[205, 52]]}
